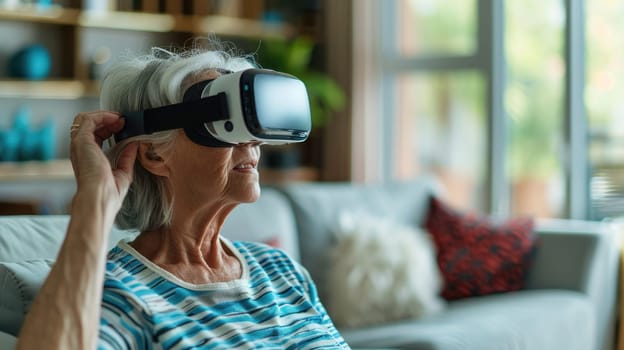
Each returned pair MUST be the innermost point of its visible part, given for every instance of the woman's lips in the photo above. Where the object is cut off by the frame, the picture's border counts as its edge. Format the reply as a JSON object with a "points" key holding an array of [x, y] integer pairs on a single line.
{"points": [[247, 167]]}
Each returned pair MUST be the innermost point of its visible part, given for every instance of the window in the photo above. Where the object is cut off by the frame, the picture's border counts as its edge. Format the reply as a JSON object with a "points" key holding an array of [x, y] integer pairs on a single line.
{"points": [[500, 119], [534, 52], [605, 106], [442, 130], [436, 27], [439, 114]]}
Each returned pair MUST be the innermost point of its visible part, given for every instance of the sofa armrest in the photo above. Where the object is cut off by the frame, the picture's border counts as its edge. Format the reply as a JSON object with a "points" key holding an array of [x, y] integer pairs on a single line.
{"points": [[574, 255], [582, 256]]}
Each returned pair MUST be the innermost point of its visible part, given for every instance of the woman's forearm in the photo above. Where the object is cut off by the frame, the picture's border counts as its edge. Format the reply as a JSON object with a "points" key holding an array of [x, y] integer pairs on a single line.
{"points": [[66, 312]]}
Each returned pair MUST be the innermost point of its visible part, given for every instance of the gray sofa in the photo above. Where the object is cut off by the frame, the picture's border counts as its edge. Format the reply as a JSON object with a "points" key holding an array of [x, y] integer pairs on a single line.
{"points": [[569, 301]]}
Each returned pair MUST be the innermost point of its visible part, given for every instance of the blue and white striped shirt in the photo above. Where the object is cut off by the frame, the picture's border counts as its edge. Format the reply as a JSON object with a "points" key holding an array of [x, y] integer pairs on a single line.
{"points": [[273, 305]]}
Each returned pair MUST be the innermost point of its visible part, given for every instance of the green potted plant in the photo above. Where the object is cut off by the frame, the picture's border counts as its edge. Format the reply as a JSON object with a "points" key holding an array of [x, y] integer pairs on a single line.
{"points": [[294, 57], [326, 96]]}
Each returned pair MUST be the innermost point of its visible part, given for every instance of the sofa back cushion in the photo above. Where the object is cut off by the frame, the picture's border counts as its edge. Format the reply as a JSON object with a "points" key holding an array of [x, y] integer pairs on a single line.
{"points": [[32, 237], [270, 220], [318, 206]]}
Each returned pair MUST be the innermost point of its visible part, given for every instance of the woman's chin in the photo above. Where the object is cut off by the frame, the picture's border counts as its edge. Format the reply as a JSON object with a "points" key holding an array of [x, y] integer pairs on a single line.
{"points": [[251, 194], [244, 188]]}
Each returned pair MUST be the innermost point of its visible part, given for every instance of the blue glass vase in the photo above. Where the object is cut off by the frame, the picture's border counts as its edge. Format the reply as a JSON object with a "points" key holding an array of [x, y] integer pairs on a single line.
{"points": [[32, 62]]}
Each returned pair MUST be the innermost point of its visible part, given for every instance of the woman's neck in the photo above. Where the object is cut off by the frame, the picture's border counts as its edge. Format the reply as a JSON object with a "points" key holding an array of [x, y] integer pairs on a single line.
{"points": [[191, 249]]}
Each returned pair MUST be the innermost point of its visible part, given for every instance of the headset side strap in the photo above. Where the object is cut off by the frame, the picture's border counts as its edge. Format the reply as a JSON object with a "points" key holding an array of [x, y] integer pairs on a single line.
{"points": [[176, 116], [189, 113]]}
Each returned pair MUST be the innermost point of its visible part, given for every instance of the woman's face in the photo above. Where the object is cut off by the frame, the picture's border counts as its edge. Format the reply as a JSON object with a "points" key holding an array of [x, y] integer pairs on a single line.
{"points": [[198, 174]]}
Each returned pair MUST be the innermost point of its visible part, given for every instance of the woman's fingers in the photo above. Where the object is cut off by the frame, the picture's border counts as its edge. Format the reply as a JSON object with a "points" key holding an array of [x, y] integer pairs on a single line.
{"points": [[88, 131], [107, 130], [126, 159], [125, 163], [90, 121], [100, 124]]}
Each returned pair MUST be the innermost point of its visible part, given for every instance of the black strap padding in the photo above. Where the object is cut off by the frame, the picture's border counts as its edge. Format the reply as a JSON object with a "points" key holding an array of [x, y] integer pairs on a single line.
{"points": [[194, 92], [188, 113]]}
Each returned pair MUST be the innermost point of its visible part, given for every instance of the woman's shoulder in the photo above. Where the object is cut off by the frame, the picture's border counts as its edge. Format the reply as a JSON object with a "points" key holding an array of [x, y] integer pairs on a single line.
{"points": [[264, 255], [120, 258], [122, 266], [266, 248], [274, 263], [119, 266], [116, 258]]}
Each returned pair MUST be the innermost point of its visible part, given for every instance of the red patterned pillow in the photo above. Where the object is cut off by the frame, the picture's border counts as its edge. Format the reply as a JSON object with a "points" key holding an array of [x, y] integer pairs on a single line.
{"points": [[477, 256]]}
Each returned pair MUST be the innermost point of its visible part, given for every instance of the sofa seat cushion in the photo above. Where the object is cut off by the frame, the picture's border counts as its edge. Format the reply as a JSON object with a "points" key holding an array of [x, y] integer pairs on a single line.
{"points": [[523, 320]]}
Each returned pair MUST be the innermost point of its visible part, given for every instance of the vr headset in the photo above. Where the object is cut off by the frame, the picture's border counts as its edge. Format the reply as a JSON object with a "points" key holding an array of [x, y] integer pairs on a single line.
{"points": [[253, 105]]}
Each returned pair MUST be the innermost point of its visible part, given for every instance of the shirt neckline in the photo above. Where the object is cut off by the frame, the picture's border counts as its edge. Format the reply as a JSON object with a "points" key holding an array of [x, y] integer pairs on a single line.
{"points": [[239, 282]]}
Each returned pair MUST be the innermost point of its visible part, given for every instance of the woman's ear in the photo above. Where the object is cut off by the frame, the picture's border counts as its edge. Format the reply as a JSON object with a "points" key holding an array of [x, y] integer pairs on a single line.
{"points": [[151, 160]]}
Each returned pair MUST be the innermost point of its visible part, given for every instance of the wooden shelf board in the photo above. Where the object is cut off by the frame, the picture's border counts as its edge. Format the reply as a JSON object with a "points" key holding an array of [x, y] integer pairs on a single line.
{"points": [[240, 27], [59, 169], [156, 22], [33, 13], [149, 22], [47, 89]]}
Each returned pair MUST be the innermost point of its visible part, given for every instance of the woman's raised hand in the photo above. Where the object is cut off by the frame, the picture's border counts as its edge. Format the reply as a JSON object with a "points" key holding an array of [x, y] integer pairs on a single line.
{"points": [[65, 314], [92, 169]]}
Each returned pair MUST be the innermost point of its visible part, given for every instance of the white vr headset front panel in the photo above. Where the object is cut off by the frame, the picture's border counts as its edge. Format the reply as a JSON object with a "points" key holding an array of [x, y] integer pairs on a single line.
{"points": [[235, 129]]}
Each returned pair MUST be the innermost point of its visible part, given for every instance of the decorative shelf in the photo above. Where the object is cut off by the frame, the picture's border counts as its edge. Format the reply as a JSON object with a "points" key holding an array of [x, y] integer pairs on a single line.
{"points": [[59, 169], [75, 86], [48, 89], [148, 22]]}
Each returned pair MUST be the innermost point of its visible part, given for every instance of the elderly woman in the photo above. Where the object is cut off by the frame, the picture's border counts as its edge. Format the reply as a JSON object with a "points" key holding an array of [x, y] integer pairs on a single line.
{"points": [[178, 284]]}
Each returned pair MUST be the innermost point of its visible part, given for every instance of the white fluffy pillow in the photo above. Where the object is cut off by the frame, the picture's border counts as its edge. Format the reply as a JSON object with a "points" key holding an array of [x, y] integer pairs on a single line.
{"points": [[381, 271]]}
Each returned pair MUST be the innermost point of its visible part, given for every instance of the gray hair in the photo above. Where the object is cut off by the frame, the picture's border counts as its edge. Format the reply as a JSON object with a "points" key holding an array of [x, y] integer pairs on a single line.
{"points": [[151, 81]]}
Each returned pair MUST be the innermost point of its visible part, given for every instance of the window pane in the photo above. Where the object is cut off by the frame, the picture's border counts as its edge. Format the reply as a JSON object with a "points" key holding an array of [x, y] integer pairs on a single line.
{"points": [[441, 129], [436, 27], [604, 96], [534, 102]]}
